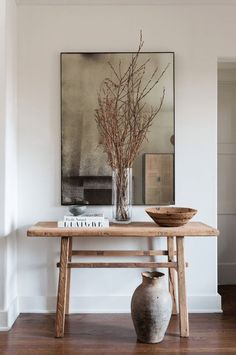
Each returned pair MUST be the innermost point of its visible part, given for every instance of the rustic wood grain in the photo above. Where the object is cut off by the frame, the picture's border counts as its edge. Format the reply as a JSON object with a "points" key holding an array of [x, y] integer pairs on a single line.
{"points": [[62, 288], [114, 265], [119, 252], [171, 272], [134, 229], [68, 278], [183, 309], [171, 216]]}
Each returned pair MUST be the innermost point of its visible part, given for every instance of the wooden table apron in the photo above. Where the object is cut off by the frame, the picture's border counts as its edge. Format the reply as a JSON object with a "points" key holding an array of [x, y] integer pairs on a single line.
{"points": [[176, 259]]}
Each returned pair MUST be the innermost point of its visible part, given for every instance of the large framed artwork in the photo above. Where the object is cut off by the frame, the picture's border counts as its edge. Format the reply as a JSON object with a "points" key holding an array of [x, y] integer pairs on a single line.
{"points": [[85, 174]]}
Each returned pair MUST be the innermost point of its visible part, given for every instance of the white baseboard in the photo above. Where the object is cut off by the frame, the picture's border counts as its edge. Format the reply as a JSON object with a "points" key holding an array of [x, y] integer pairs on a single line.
{"points": [[8, 317], [204, 303], [227, 273], [95, 304], [111, 304]]}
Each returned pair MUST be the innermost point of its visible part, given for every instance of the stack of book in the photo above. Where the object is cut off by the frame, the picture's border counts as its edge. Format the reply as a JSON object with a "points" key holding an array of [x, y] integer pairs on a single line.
{"points": [[86, 220]]}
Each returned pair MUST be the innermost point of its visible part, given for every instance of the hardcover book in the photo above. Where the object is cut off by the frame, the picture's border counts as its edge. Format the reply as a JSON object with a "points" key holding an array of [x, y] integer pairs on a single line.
{"points": [[84, 224]]}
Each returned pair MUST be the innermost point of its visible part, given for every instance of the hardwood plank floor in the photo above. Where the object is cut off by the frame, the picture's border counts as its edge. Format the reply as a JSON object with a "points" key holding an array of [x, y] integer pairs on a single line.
{"points": [[108, 334]]}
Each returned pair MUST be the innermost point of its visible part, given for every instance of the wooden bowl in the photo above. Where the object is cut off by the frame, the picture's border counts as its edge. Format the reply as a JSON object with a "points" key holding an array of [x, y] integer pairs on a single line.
{"points": [[171, 216]]}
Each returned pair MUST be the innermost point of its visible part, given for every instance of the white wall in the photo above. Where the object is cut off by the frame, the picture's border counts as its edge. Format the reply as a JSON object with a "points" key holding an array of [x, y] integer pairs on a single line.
{"points": [[198, 35], [227, 172], [2, 110], [8, 164]]}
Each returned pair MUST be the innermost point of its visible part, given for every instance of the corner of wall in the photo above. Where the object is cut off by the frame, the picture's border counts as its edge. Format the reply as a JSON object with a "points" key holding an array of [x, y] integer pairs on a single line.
{"points": [[9, 316]]}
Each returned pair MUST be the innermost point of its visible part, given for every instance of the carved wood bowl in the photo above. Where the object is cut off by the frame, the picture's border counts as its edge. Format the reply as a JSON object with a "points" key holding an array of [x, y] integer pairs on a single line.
{"points": [[171, 216]]}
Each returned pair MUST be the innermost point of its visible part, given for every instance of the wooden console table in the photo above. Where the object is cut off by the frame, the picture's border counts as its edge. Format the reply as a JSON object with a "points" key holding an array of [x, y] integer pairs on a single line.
{"points": [[175, 258]]}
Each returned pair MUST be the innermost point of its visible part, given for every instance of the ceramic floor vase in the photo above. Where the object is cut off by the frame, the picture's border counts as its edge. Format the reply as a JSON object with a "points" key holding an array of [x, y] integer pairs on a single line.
{"points": [[151, 308]]}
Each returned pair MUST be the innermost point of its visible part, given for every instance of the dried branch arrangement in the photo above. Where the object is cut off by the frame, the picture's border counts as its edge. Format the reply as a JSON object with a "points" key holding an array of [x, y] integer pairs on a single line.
{"points": [[123, 120], [122, 117]]}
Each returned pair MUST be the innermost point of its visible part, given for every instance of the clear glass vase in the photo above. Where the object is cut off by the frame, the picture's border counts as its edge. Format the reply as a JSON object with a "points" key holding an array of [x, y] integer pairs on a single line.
{"points": [[122, 195]]}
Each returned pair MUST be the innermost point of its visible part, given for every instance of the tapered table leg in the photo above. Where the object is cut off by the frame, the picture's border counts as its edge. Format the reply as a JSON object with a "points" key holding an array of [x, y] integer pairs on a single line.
{"points": [[62, 288], [68, 278], [171, 272], [183, 309]]}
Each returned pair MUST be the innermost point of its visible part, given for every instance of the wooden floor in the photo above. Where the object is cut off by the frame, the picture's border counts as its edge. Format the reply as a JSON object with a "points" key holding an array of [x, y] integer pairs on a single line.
{"points": [[97, 334]]}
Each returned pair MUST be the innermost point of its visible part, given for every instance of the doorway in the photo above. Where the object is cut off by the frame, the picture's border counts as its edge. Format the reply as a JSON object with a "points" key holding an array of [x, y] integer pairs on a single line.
{"points": [[227, 172]]}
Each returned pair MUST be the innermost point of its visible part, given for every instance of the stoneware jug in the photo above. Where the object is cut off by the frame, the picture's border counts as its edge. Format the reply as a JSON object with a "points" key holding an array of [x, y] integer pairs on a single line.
{"points": [[151, 308]]}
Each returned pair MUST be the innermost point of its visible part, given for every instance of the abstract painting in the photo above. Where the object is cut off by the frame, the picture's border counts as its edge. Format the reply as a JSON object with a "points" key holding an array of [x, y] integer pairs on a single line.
{"points": [[85, 174]]}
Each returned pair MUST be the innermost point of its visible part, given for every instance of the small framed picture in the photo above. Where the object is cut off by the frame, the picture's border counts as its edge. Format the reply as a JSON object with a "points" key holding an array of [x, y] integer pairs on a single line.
{"points": [[158, 179]]}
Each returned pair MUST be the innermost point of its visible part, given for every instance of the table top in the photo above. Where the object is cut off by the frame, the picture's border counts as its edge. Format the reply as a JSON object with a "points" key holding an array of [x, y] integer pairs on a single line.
{"points": [[134, 229]]}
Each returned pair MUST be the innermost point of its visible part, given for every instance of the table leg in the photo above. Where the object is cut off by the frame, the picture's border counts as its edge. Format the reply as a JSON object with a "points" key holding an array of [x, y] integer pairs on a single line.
{"points": [[68, 278], [62, 287], [171, 272], [183, 309]]}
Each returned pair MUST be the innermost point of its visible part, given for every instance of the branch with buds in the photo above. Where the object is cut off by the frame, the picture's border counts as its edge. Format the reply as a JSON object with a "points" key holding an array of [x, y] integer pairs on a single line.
{"points": [[123, 120], [122, 117]]}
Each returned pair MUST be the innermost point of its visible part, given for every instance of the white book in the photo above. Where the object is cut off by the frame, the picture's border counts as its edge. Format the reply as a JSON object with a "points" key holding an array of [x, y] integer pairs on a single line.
{"points": [[83, 224], [85, 217]]}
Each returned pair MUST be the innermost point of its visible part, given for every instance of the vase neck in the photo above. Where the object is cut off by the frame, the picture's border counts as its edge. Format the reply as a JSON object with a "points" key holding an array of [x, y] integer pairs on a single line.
{"points": [[154, 278]]}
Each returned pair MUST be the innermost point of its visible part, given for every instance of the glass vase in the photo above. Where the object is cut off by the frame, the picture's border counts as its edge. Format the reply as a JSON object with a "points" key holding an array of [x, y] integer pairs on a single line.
{"points": [[122, 195]]}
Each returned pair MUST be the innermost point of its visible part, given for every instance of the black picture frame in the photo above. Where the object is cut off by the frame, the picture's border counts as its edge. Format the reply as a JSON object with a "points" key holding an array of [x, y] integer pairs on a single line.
{"points": [[103, 194]]}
